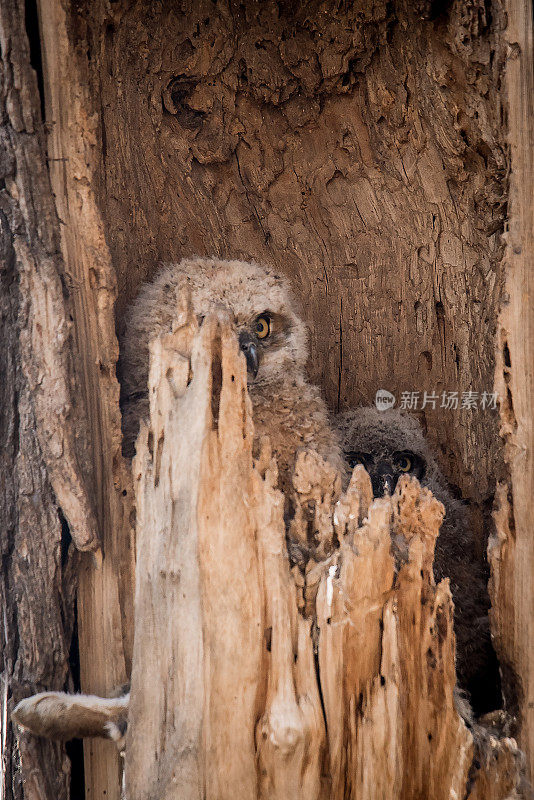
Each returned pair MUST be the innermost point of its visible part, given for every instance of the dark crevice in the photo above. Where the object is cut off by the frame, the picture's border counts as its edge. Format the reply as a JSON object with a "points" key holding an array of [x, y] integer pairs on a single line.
{"points": [[216, 381], [318, 679], [74, 748], [31, 20], [506, 356], [66, 539]]}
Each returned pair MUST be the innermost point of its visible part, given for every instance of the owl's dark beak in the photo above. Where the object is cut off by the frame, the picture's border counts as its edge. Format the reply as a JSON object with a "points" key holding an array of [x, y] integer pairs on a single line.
{"points": [[383, 479], [250, 349]]}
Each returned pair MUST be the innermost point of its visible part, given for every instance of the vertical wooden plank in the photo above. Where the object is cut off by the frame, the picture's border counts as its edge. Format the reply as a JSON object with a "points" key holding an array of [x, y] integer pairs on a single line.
{"points": [[512, 554]]}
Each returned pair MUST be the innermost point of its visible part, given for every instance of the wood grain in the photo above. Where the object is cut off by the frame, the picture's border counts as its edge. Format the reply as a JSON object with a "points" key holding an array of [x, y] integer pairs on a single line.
{"points": [[368, 153], [512, 551], [43, 476], [361, 151], [105, 591]]}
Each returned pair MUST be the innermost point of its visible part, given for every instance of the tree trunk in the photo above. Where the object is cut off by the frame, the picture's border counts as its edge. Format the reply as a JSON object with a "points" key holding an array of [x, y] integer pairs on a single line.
{"points": [[62, 471], [251, 682], [43, 465], [380, 154]]}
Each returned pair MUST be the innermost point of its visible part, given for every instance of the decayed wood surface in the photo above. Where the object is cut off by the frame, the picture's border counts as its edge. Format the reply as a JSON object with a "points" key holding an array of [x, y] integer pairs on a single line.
{"points": [[47, 351], [512, 552], [44, 452], [105, 590], [204, 130], [250, 681], [361, 150]]}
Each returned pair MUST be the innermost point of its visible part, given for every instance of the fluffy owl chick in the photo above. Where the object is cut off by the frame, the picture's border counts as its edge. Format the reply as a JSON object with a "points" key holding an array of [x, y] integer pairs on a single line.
{"points": [[271, 335], [390, 444]]}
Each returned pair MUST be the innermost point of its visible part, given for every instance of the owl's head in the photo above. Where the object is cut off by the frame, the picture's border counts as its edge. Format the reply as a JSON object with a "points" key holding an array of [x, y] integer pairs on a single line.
{"points": [[271, 335], [389, 444]]}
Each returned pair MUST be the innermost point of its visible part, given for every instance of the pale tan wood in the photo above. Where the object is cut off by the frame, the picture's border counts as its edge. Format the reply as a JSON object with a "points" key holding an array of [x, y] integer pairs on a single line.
{"points": [[105, 591], [197, 565], [512, 551], [250, 683], [290, 735]]}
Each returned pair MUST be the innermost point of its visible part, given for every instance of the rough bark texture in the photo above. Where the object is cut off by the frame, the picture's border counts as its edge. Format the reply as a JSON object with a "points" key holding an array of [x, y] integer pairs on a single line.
{"points": [[361, 149], [43, 453], [512, 551], [105, 595], [46, 344], [56, 368], [247, 683]]}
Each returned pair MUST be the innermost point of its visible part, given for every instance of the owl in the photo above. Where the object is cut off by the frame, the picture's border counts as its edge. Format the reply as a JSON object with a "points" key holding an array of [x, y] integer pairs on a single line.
{"points": [[271, 335], [390, 444]]}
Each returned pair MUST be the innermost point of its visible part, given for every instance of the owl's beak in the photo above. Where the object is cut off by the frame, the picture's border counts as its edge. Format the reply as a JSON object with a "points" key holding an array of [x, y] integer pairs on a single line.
{"points": [[250, 349], [383, 479]]}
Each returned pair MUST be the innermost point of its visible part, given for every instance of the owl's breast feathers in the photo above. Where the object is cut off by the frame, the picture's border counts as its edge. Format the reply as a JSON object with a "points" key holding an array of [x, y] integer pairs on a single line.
{"points": [[293, 415]]}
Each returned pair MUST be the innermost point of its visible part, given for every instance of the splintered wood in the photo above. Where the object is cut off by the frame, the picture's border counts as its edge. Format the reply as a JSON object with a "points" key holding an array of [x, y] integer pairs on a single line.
{"points": [[252, 681]]}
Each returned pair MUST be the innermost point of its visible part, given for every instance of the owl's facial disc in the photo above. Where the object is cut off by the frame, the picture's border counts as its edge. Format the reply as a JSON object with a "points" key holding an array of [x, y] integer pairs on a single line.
{"points": [[385, 468], [263, 339], [388, 470]]}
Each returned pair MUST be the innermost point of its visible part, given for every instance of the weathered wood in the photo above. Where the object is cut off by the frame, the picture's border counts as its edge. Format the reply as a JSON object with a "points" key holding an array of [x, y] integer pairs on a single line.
{"points": [[361, 150], [46, 342], [228, 699], [105, 593], [43, 439], [181, 513], [204, 129], [512, 551]]}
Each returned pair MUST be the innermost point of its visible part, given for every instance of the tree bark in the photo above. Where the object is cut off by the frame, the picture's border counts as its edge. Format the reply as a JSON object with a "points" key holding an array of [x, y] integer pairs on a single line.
{"points": [[105, 593], [45, 493], [512, 550], [62, 431], [360, 150]]}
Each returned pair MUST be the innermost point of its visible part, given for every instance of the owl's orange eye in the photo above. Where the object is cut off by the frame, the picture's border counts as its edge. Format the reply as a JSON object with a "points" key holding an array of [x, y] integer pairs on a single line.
{"points": [[262, 327]]}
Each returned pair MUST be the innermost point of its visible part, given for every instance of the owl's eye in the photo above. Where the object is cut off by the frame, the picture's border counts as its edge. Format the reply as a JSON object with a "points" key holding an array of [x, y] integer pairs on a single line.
{"points": [[404, 463], [262, 327], [354, 457]]}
